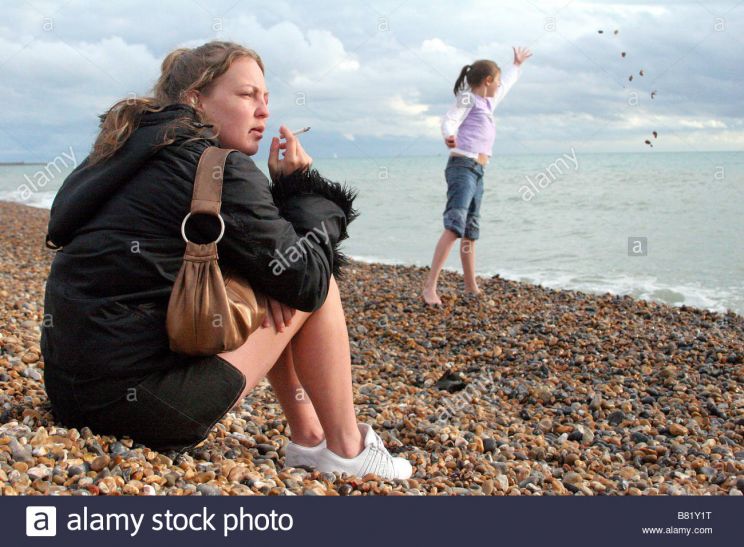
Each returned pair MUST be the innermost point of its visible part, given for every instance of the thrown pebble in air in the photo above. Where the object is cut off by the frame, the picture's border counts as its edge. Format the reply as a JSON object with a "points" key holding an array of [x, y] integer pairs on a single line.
{"points": [[630, 78], [600, 32], [653, 94], [655, 134], [623, 54], [616, 31], [641, 72], [648, 142]]}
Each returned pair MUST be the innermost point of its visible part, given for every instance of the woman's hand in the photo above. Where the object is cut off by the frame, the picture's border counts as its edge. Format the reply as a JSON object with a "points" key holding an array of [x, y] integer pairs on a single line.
{"points": [[277, 313], [521, 54], [450, 141], [294, 157]]}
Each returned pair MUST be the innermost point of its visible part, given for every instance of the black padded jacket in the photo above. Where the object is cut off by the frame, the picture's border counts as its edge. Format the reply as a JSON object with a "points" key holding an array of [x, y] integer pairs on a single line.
{"points": [[116, 226]]}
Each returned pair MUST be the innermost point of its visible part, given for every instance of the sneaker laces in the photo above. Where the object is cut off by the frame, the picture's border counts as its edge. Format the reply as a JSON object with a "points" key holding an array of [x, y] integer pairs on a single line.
{"points": [[379, 461]]}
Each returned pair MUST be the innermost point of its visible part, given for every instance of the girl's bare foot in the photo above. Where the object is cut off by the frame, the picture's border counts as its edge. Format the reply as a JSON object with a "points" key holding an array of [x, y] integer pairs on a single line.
{"points": [[430, 296], [473, 289]]}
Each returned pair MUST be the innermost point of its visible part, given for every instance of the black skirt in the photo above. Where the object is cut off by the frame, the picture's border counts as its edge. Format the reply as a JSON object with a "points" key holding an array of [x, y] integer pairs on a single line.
{"points": [[173, 408]]}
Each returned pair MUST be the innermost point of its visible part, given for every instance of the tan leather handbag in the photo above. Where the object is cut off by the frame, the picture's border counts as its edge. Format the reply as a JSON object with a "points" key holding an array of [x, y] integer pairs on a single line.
{"points": [[209, 313]]}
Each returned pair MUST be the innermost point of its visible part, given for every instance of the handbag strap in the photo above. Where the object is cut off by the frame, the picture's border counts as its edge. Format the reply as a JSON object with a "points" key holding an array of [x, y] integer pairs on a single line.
{"points": [[207, 196]]}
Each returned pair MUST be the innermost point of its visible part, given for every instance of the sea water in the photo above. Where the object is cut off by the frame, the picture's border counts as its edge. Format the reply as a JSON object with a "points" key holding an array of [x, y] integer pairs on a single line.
{"points": [[660, 226]]}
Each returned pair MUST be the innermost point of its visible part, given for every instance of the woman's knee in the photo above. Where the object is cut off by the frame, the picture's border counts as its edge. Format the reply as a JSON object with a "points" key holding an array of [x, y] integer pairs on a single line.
{"points": [[332, 285], [330, 295], [333, 296]]}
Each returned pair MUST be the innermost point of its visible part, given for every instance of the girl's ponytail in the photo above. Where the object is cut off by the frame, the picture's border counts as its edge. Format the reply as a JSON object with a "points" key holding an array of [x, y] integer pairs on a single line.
{"points": [[476, 73], [459, 84]]}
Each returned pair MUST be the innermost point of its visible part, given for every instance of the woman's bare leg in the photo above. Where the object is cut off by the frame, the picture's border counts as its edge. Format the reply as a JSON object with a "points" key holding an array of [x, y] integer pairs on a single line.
{"points": [[303, 421], [441, 252], [320, 350], [467, 257], [323, 364]]}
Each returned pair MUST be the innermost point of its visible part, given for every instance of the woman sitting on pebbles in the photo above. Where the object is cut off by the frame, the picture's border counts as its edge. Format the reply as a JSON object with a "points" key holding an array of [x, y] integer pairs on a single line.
{"points": [[116, 225]]}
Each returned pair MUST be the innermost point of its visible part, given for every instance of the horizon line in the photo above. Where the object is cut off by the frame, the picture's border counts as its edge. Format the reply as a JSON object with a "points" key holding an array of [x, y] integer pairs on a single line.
{"points": [[505, 154]]}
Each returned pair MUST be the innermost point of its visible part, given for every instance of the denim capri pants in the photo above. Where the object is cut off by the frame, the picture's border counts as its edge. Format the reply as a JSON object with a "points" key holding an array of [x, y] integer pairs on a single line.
{"points": [[464, 195]]}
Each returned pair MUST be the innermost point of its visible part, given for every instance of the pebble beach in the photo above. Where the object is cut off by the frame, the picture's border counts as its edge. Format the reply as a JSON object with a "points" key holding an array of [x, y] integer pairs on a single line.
{"points": [[523, 391]]}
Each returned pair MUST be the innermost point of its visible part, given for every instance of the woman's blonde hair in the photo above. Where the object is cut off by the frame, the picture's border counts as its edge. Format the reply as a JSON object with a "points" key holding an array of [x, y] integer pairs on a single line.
{"points": [[182, 71]]}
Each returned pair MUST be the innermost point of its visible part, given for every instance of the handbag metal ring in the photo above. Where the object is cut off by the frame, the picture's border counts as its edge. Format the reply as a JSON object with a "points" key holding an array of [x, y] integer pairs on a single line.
{"points": [[183, 228]]}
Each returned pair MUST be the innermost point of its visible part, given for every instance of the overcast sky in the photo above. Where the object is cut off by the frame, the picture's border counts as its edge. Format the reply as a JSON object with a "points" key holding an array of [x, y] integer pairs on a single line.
{"points": [[376, 77]]}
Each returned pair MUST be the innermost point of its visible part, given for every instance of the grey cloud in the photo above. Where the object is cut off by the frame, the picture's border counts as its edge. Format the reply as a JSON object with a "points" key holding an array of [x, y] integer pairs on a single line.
{"points": [[382, 72]]}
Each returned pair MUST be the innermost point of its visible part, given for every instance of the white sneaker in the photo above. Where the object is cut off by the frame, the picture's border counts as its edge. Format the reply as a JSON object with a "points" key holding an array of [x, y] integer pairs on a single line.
{"points": [[296, 455], [373, 459]]}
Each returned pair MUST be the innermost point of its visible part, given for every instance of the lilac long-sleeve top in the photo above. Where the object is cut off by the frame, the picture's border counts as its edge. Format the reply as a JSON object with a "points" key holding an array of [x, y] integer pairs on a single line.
{"points": [[471, 119]]}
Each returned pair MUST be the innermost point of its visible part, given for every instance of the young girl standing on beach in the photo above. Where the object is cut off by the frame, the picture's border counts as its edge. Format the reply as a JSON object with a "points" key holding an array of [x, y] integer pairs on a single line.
{"points": [[468, 129]]}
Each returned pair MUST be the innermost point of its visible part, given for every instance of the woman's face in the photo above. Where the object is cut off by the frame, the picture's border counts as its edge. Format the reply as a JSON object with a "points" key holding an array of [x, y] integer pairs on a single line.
{"points": [[237, 105]]}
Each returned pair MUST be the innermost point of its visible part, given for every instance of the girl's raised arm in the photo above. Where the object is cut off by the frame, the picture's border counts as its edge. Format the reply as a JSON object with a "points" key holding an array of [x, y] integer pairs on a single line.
{"points": [[511, 74]]}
